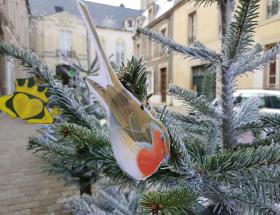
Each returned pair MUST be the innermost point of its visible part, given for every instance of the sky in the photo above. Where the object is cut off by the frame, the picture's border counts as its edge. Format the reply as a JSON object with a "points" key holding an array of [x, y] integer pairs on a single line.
{"points": [[135, 4]]}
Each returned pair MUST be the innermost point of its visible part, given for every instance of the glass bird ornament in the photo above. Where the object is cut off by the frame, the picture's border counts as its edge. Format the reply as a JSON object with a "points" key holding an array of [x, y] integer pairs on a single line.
{"points": [[140, 142]]}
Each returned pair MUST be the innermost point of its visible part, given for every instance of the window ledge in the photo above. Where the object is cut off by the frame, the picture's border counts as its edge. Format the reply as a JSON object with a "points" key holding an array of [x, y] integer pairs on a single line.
{"points": [[269, 20]]}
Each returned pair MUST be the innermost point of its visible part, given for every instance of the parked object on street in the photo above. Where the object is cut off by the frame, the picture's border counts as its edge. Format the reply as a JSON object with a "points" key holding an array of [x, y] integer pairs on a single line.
{"points": [[269, 99]]}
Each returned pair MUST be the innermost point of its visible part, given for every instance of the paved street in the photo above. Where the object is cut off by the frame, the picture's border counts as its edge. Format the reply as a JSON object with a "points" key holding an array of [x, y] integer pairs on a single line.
{"points": [[24, 189]]}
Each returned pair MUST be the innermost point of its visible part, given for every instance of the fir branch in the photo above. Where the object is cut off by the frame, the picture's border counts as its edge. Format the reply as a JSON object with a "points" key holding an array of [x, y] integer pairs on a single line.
{"points": [[241, 159], [195, 102], [178, 201], [82, 135], [107, 164], [40, 144], [240, 34], [246, 114], [62, 96], [133, 76], [271, 120], [244, 59], [257, 61], [197, 51], [85, 206]]}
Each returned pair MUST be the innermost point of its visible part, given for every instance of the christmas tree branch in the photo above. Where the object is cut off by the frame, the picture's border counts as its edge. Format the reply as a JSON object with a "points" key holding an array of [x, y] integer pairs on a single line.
{"points": [[62, 96], [83, 135], [240, 34], [197, 51], [178, 201]]}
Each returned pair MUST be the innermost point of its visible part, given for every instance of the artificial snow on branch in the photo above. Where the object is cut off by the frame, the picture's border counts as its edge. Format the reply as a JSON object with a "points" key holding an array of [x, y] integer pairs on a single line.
{"points": [[197, 51]]}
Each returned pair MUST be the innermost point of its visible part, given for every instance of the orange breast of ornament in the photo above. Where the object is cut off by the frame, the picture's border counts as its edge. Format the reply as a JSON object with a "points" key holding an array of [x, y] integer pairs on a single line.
{"points": [[148, 160]]}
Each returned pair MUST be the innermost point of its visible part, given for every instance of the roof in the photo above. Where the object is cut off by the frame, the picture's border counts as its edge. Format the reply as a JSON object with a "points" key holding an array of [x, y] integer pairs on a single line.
{"points": [[104, 15], [160, 8]]}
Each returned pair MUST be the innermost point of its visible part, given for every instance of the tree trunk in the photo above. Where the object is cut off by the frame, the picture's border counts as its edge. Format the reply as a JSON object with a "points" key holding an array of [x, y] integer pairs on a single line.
{"points": [[226, 82], [85, 186]]}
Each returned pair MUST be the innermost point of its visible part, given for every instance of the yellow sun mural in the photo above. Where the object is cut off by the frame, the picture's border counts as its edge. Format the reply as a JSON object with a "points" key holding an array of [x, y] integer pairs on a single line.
{"points": [[29, 102]]}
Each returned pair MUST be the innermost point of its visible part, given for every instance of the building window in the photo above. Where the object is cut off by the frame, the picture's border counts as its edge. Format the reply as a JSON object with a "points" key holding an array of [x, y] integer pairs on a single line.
{"points": [[103, 42], [199, 79], [58, 9], [139, 22], [130, 23], [273, 8], [198, 72], [192, 27], [272, 69], [65, 42], [272, 73], [120, 53], [163, 84], [150, 15], [138, 49], [163, 32], [150, 82]]}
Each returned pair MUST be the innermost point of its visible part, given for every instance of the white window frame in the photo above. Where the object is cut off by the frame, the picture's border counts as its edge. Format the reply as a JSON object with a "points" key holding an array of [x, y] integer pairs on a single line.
{"points": [[192, 27], [139, 51], [120, 52], [151, 80], [65, 42]]}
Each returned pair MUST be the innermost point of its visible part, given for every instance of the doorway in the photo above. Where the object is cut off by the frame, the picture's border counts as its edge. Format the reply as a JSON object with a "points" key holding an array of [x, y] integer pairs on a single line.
{"points": [[2, 69], [163, 84]]}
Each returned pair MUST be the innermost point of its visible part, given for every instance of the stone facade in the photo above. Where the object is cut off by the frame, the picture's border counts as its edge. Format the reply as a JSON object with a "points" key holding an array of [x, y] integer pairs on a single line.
{"points": [[186, 24], [46, 32], [115, 26], [14, 21]]}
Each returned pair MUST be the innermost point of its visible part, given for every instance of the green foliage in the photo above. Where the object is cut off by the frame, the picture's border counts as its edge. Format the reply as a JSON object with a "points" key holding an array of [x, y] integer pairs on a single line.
{"points": [[271, 120], [239, 160], [197, 51], [82, 135], [209, 86], [177, 201], [240, 33], [133, 76], [195, 103], [206, 162]]}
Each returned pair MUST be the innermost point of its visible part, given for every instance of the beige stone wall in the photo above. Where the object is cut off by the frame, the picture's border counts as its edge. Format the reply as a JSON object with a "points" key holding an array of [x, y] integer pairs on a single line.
{"points": [[157, 58], [267, 33], [14, 29], [208, 32], [110, 38], [46, 33]]}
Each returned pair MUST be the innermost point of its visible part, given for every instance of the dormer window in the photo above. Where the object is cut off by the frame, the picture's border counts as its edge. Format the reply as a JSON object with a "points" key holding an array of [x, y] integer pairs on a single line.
{"points": [[58, 9], [139, 22], [129, 24]]}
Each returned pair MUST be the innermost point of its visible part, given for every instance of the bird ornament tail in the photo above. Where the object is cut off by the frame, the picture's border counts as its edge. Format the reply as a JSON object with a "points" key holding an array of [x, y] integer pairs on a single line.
{"points": [[140, 142]]}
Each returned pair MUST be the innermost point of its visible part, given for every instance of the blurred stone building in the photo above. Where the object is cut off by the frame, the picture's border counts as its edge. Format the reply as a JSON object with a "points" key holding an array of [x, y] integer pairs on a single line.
{"points": [[186, 23], [57, 28], [14, 28]]}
